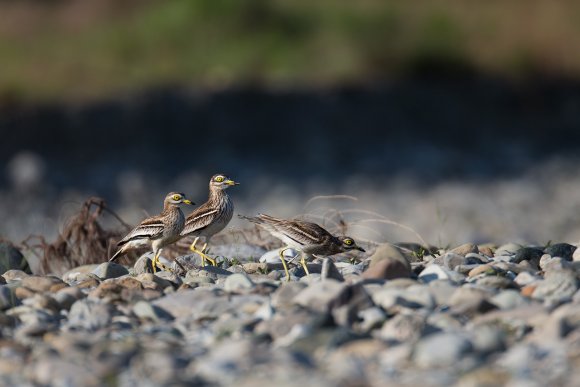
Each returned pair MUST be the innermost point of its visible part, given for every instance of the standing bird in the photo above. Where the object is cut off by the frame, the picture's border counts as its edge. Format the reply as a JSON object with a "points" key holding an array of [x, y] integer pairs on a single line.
{"points": [[309, 238], [157, 231], [212, 216]]}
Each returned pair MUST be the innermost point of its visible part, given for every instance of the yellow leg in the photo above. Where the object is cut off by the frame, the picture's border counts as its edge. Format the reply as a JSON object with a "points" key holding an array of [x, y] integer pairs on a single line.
{"points": [[281, 253], [303, 262], [203, 256], [156, 263]]}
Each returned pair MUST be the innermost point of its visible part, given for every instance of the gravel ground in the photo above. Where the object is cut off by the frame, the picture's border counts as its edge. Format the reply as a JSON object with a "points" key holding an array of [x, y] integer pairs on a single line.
{"points": [[474, 315]]}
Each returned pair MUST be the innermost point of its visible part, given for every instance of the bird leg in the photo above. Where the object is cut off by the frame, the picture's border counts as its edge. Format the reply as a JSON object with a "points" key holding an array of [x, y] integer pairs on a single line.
{"points": [[201, 253], [303, 262], [156, 263], [281, 253]]}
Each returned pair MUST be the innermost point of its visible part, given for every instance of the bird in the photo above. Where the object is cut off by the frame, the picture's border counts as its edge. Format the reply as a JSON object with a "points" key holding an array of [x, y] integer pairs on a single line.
{"points": [[307, 237], [157, 231], [212, 216]]}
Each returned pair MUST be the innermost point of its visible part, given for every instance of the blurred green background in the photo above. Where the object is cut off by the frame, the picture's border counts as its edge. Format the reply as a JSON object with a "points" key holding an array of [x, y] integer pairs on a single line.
{"points": [[91, 48]]}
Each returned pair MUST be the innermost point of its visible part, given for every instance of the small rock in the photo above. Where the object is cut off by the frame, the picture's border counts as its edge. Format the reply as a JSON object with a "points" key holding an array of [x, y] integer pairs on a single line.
{"points": [[485, 250], [547, 263], [66, 297], [90, 314], [509, 299], [404, 328], [152, 281], [452, 260], [441, 350], [486, 269], [171, 277], [74, 275], [145, 311], [12, 259], [441, 291], [470, 301], [128, 282], [40, 284], [286, 293], [465, 249], [371, 318], [532, 254], [508, 249], [42, 301], [557, 284], [143, 265], [22, 292], [435, 272], [526, 278], [496, 282], [196, 280], [466, 269], [88, 283], [329, 271], [344, 301], [7, 298], [238, 283], [473, 258], [562, 250], [388, 269], [109, 270], [487, 339], [392, 299], [14, 275]]}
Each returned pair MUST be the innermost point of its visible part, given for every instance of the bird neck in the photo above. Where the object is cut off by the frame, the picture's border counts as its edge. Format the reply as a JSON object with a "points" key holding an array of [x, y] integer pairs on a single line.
{"points": [[218, 195], [170, 207]]}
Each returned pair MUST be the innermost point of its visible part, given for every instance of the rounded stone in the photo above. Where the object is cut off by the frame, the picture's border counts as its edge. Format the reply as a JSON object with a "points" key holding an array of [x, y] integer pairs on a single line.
{"points": [[238, 282]]}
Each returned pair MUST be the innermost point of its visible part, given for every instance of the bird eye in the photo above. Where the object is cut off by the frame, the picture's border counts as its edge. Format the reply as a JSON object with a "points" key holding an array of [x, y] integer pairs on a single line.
{"points": [[219, 179], [348, 242], [176, 197]]}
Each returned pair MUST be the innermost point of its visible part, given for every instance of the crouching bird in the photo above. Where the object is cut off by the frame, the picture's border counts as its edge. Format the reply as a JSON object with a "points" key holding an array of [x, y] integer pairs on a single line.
{"points": [[306, 237]]}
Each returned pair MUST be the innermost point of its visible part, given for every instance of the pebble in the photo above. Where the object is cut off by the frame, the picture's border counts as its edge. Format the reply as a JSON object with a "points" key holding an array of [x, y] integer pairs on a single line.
{"points": [[441, 350], [464, 249], [436, 272], [238, 283], [110, 270]]}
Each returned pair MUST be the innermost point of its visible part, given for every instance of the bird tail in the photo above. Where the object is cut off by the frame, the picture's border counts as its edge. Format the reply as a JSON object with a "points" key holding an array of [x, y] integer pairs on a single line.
{"points": [[253, 219]]}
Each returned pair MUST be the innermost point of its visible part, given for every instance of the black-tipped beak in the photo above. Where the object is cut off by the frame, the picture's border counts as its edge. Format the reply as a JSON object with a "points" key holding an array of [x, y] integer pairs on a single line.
{"points": [[361, 249], [187, 201]]}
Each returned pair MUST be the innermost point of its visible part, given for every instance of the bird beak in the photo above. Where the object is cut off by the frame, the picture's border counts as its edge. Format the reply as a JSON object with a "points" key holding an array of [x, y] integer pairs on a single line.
{"points": [[187, 201], [231, 182], [361, 249]]}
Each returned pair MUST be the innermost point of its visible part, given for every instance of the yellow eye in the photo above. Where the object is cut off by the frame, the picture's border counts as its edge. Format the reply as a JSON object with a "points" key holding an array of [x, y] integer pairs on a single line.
{"points": [[219, 179], [348, 242], [176, 197]]}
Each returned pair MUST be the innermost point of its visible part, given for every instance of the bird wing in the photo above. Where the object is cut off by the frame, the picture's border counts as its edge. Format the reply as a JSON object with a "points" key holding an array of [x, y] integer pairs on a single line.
{"points": [[297, 230], [150, 228], [199, 219], [302, 231]]}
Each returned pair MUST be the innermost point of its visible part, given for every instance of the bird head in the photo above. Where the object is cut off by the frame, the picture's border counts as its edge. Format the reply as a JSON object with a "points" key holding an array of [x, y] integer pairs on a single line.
{"points": [[221, 181], [177, 198], [349, 244]]}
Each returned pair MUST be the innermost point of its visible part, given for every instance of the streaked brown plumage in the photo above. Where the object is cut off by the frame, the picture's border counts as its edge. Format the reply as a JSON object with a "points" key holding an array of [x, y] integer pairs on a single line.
{"points": [[157, 231], [212, 216], [307, 237]]}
